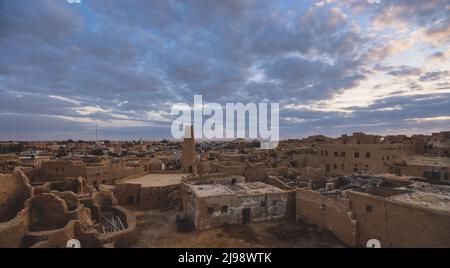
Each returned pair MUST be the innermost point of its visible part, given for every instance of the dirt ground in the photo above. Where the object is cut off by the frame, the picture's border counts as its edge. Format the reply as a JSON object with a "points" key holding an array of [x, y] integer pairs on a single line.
{"points": [[157, 229]]}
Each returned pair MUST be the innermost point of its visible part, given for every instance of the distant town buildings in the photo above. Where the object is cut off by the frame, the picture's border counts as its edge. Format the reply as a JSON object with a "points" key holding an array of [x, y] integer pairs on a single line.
{"points": [[358, 186]]}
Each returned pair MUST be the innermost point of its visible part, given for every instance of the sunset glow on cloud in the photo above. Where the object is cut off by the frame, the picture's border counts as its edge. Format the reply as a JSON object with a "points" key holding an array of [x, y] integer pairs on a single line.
{"points": [[334, 66]]}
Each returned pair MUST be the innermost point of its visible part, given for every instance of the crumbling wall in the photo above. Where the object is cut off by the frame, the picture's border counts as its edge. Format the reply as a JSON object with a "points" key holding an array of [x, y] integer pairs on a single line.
{"points": [[69, 198], [54, 238], [107, 174], [187, 200], [158, 197], [13, 231], [277, 183], [255, 173], [53, 170], [205, 167], [125, 237], [105, 199], [316, 175], [127, 193], [47, 211], [305, 160], [93, 207], [232, 170], [77, 185], [291, 200], [50, 218], [14, 190], [330, 212]]}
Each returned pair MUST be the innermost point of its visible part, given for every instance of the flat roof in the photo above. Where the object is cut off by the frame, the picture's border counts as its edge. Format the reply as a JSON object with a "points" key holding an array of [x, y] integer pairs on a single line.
{"points": [[426, 195], [157, 179], [424, 199], [434, 161], [211, 190], [244, 188]]}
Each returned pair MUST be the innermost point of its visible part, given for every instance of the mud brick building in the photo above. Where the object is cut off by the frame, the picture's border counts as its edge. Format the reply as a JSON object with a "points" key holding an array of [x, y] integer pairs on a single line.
{"points": [[213, 205]]}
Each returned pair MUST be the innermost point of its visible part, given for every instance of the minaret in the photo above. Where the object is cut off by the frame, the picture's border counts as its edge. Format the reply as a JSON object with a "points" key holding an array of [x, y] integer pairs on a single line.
{"points": [[96, 135], [188, 160]]}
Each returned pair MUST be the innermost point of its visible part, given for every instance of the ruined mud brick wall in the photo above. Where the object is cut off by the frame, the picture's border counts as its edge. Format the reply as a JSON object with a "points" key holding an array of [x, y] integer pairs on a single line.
{"points": [[14, 191], [43, 224], [278, 170], [107, 174], [203, 177], [157, 197], [255, 173], [125, 237], [13, 231], [188, 201], [31, 173], [225, 179], [291, 191], [277, 183], [330, 212], [47, 212], [418, 170], [48, 218], [127, 193], [305, 160], [398, 224], [232, 170], [8, 162], [205, 167], [54, 170], [56, 238], [59, 238], [78, 186]]}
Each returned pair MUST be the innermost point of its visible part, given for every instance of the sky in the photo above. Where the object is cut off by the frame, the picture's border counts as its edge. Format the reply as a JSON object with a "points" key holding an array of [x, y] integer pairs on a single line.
{"points": [[334, 67]]}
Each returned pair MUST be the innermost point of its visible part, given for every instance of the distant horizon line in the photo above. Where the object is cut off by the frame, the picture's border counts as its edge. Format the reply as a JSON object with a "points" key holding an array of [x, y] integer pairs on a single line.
{"points": [[219, 140]]}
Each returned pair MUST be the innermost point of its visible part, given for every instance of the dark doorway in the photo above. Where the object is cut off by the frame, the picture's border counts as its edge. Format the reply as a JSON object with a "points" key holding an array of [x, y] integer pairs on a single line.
{"points": [[130, 200], [245, 216]]}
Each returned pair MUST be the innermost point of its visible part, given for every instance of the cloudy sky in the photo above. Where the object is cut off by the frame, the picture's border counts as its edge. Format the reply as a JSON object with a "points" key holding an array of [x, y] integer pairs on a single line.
{"points": [[333, 66]]}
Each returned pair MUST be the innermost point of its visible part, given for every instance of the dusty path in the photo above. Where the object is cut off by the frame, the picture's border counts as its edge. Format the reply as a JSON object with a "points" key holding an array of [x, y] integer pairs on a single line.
{"points": [[158, 229]]}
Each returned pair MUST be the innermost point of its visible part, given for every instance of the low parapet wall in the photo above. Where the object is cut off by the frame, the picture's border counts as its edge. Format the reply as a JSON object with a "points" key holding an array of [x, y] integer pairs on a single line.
{"points": [[125, 237]]}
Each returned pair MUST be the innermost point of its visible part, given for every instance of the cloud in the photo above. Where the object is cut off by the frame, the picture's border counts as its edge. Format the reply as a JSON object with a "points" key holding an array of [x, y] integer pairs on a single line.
{"points": [[124, 63], [433, 76], [405, 71]]}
